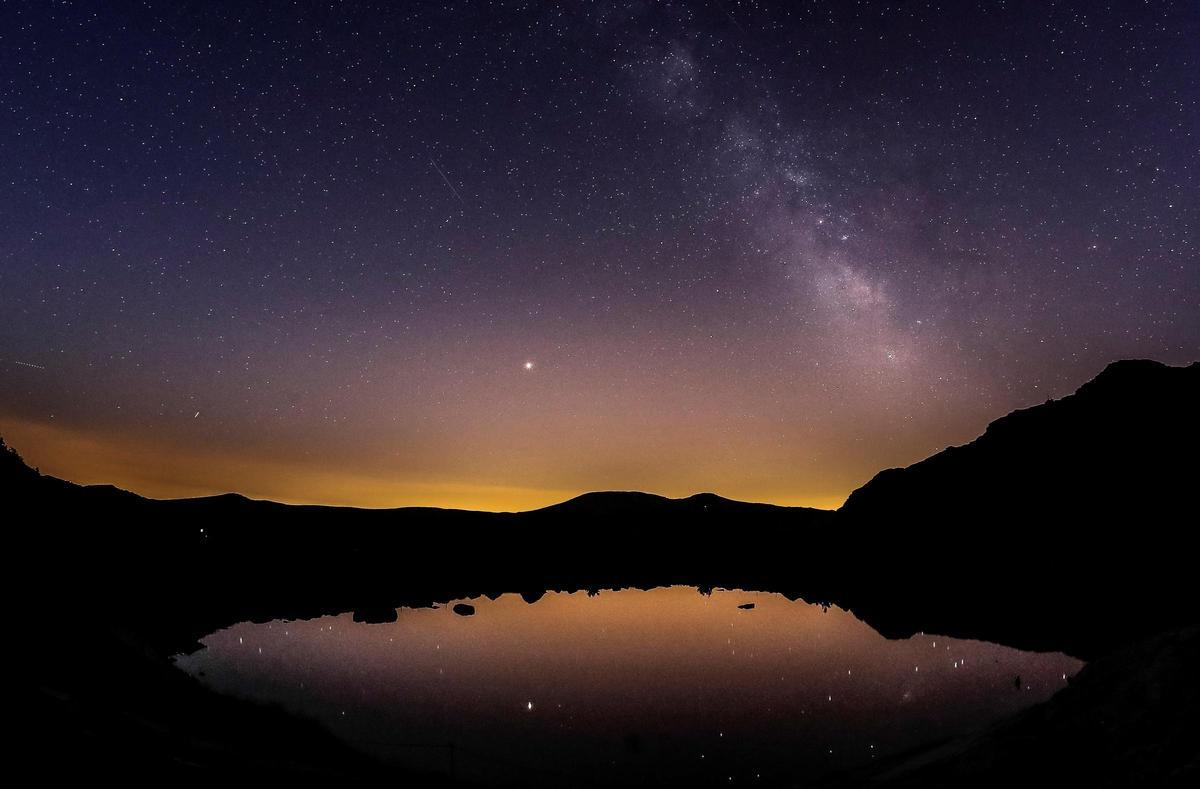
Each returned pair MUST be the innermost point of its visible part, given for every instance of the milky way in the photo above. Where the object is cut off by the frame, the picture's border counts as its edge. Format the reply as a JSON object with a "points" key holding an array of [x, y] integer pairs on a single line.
{"points": [[493, 255]]}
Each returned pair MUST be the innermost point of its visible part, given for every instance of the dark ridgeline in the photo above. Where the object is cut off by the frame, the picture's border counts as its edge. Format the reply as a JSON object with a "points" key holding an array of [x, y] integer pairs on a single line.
{"points": [[1066, 526], [186, 567]]}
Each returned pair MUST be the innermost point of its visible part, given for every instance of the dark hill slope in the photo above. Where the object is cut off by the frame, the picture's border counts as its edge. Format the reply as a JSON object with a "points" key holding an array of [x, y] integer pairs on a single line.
{"points": [[1074, 517], [1126, 442]]}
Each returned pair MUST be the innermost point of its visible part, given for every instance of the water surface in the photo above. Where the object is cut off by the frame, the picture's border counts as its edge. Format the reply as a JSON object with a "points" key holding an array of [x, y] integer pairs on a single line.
{"points": [[623, 687]]}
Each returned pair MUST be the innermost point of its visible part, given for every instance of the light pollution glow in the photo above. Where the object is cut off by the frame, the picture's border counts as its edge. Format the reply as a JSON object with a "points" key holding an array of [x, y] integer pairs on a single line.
{"points": [[493, 255]]}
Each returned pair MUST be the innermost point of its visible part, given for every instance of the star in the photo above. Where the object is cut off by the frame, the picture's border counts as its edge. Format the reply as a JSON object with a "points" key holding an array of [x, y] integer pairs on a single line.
{"points": [[674, 229]]}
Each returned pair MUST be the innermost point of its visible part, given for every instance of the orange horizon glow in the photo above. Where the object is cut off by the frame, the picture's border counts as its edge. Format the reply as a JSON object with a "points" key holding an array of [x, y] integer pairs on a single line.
{"points": [[150, 470], [320, 258], [507, 449]]}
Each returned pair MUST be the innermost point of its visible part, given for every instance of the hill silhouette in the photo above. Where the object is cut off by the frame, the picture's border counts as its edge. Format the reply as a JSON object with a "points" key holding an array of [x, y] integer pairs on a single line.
{"points": [[1065, 526], [1121, 441], [1074, 511], [1071, 516]]}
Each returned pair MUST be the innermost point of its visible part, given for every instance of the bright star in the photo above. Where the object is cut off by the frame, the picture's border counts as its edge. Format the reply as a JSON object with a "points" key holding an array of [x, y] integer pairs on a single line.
{"points": [[528, 365]]}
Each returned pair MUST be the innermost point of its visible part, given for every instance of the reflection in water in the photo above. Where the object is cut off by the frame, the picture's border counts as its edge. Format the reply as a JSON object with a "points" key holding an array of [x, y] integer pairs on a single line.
{"points": [[660, 686]]}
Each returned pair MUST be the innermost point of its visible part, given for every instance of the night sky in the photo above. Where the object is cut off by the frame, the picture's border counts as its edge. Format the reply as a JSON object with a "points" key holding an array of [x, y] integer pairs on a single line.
{"points": [[494, 255]]}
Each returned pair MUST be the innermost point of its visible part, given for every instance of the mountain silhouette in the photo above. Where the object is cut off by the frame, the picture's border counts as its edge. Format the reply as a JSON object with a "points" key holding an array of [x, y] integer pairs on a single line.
{"points": [[1066, 526], [1119, 445], [1077, 510], [1072, 516]]}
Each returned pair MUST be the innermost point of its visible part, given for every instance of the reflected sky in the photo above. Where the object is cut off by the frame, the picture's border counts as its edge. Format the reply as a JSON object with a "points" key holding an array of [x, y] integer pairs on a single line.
{"points": [[667, 685]]}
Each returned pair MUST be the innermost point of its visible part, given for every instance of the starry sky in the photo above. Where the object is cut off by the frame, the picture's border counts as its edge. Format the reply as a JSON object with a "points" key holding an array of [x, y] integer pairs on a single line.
{"points": [[492, 255]]}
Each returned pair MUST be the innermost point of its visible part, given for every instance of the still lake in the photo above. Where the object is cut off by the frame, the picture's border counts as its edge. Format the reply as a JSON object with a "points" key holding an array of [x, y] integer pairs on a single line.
{"points": [[660, 686]]}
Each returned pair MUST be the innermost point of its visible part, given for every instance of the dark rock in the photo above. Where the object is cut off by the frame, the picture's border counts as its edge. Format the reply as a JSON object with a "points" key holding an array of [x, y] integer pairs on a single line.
{"points": [[464, 609], [375, 616]]}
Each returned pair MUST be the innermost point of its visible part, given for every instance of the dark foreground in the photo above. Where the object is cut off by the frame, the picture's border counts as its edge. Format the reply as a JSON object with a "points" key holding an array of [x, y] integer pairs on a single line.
{"points": [[1064, 527]]}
